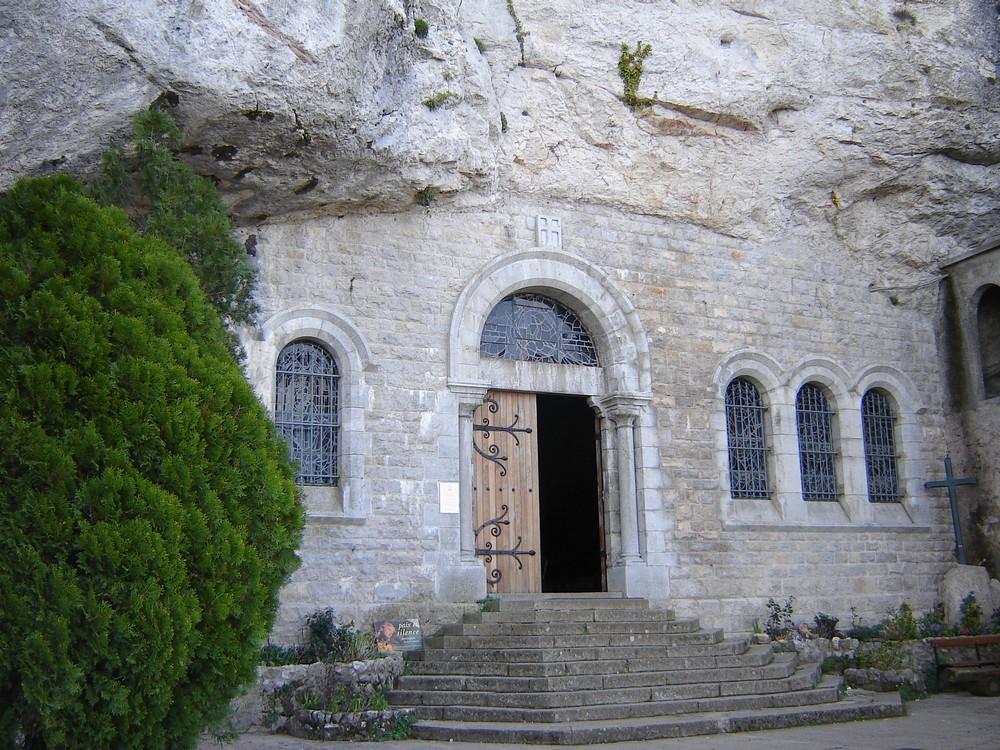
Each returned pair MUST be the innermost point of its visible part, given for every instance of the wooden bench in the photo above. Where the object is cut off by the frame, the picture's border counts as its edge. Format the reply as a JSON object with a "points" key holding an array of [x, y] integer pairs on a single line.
{"points": [[970, 661]]}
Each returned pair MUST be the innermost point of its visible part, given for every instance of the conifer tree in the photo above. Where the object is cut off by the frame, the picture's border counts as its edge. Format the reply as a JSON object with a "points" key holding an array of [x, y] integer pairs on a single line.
{"points": [[148, 513]]}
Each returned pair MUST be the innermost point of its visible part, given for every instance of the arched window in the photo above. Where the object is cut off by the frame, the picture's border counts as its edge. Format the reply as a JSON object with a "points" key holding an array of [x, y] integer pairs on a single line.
{"points": [[307, 410], [538, 329], [814, 423], [747, 440], [988, 320], [878, 422]]}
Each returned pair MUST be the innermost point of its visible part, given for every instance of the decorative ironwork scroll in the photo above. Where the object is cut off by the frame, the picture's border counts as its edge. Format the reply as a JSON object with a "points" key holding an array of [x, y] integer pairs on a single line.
{"points": [[492, 452], [537, 329], [487, 551]]}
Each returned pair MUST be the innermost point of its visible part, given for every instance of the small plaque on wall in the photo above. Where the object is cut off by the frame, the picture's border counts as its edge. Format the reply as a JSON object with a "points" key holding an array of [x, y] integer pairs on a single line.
{"points": [[448, 495]]}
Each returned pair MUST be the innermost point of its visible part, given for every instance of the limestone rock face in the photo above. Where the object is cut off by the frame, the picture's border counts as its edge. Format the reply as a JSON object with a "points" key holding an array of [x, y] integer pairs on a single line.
{"points": [[290, 106], [770, 119]]}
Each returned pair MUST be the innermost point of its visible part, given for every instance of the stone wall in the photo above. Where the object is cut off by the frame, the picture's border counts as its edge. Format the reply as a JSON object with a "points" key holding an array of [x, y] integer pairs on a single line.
{"points": [[700, 296]]}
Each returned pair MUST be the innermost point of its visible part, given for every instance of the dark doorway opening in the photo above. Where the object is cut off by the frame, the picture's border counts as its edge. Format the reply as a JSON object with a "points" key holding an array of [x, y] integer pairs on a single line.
{"points": [[570, 512]]}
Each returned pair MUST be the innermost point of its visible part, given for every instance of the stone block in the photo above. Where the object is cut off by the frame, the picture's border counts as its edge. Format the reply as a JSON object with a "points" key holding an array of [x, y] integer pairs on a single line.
{"points": [[959, 582]]}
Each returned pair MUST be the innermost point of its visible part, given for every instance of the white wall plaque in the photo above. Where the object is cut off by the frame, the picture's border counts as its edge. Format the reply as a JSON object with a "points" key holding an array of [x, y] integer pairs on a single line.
{"points": [[448, 495], [548, 231]]}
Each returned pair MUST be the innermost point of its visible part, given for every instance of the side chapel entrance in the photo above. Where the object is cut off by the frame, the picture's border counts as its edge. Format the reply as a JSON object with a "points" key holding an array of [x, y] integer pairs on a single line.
{"points": [[537, 480]]}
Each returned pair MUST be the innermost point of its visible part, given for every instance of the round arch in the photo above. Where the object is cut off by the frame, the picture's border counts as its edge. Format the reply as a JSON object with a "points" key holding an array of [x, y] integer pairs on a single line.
{"points": [[606, 311]]}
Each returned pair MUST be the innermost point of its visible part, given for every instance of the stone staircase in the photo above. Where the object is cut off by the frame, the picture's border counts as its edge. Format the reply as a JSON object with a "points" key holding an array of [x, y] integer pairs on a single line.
{"points": [[587, 668]]}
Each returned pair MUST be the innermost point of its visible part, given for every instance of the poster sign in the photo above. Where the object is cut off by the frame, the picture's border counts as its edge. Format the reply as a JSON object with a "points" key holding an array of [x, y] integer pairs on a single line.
{"points": [[398, 635]]}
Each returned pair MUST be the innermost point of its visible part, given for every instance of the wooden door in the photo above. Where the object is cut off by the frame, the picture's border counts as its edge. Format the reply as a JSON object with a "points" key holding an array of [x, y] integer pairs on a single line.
{"points": [[505, 481]]}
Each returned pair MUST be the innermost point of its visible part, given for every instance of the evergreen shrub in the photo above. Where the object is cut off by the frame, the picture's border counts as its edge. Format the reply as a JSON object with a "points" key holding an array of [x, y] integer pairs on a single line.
{"points": [[148, 513]]}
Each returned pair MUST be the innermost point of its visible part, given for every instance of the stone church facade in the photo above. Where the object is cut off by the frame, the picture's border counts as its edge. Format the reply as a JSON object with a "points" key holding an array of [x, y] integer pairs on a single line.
{"points": [[676, 316], [778, 259]]}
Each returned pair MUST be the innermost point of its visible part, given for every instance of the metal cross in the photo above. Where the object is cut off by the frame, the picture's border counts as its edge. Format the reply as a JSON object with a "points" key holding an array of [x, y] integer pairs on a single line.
{"points": [[951, 483]]}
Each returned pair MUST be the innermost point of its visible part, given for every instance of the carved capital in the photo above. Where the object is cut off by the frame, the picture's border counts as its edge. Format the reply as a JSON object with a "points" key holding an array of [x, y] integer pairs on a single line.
{"points": [[469, 394], [622, 409]]}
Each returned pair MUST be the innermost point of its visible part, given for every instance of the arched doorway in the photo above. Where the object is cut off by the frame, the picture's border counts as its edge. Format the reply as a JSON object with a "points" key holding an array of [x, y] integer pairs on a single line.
{"points": [[614, 393]]}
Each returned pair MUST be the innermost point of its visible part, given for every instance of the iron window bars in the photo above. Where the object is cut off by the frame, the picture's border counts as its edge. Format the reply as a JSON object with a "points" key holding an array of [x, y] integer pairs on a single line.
{"points": [[538, 329], [814, 423], [307, 410], [747, 440], [878, 420]]}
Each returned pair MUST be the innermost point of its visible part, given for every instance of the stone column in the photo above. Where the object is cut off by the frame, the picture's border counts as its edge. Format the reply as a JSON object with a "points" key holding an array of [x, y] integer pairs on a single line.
{"points": [[628, 501], [466, 494], [464, 579]]}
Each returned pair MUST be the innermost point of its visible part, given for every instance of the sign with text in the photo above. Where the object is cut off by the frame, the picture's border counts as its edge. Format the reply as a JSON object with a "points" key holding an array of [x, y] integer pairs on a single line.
{"points": [[398, 635]]}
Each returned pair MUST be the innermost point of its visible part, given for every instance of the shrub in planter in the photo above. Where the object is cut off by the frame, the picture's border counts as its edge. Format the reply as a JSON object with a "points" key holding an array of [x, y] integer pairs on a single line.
{"points": [[148, 512]]}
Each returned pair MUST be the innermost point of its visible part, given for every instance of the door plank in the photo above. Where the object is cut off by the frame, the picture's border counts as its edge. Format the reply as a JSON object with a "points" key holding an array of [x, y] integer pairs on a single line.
{"points": [[505, 470]]}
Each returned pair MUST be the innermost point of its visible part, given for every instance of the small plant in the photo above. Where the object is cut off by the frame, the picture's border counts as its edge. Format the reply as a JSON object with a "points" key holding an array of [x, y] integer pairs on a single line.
{"points": [[518, 29], [779, 618], [277, 655], [886, 656], [825, 626], [971, 620], [995, 621], [421, 28], [861, 631], [900, 625], [425, 196], [480, 45], [630, 69], [837, 664], [757, 629], [932, 623], [489, 603], [398, 729], [327, 641], [439, 99]]}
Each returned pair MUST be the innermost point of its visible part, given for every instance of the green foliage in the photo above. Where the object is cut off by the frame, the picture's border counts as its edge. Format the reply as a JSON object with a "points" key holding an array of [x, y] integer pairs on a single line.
{"points": [[277, 655], [995, 621], [149, 512], [886, 656], [425, 196], [439, 99], [900, 624], [837, 664], [861, 631], [825, 626], [630, 70], [489, 603], [971, 619], [325, 640], [420, 27], [518, 29], [398, 729], [480, 45], [932, 623], [779, 618], [164, 198]]}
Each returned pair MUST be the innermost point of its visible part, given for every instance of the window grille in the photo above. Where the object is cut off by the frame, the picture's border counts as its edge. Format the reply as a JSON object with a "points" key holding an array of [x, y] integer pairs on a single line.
{"points": [[307, 410], [814, 421], [538, 329], [747, 441], [878, 420]]}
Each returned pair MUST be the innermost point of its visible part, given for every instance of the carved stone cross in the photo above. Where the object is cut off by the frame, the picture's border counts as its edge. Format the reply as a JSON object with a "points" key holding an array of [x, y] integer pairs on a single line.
{"points": [[951, 483]]}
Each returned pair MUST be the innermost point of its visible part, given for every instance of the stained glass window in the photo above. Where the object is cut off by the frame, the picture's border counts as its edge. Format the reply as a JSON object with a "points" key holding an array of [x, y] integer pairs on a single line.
{"points": [[306, 410], [747, 441], [814, 421], [538, 329], [878, 422]]}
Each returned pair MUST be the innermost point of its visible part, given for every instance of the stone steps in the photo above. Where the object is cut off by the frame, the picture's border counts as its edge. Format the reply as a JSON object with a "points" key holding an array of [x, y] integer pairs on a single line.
{"points": [[826, 692], [597, 668], [666, 626], [861, 706], [755, 656], [597, 681], [783, 679]]}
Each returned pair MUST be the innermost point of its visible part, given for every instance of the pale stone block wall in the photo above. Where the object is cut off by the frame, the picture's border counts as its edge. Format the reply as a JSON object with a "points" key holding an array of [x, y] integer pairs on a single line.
{"points": [[701, 297]]}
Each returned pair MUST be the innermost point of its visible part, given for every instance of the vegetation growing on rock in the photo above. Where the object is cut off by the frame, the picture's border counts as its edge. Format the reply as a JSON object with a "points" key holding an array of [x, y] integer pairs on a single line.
{"points": [[149, 513]]}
